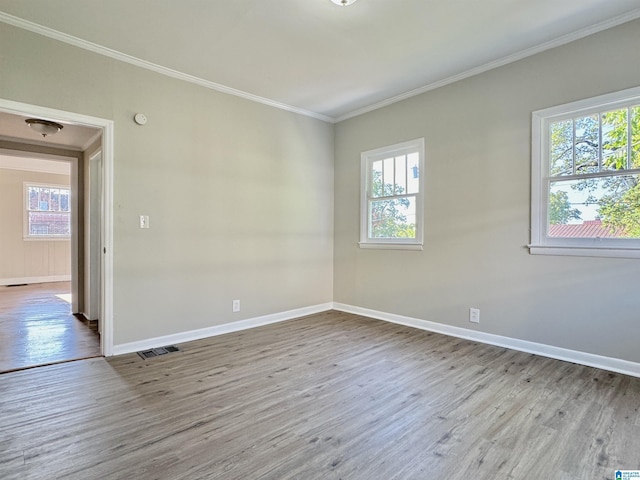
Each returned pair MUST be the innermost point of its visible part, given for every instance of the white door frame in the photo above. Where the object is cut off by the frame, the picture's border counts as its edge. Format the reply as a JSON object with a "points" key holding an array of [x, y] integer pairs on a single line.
{"points": [[93, 237], [106, 223]]}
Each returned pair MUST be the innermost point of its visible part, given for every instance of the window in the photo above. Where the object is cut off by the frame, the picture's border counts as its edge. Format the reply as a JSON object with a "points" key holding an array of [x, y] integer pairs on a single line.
{"points": [[392, 196], [586, 177], [47, 212]]}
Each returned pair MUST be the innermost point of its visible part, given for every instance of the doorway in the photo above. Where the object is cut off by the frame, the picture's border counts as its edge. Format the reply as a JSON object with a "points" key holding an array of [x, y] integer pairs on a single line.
{"points": [[91, 281], [37, 203]]}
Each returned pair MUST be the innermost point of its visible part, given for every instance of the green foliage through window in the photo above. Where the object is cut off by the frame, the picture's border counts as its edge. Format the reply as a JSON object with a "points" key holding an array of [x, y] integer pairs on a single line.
{"points": [[392, 197], [594, 162]]}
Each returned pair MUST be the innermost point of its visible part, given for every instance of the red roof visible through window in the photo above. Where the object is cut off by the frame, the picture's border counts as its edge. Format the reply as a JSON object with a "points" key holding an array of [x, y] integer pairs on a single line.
{"points": [[586, 229]]}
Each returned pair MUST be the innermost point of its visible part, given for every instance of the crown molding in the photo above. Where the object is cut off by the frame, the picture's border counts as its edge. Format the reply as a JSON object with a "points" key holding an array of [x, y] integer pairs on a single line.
{"points": [[101, 50], [169, 72], [563, 40]]}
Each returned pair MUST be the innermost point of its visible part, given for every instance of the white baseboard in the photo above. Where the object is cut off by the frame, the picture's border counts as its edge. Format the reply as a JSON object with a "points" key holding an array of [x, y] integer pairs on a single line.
{"points": [[21, 280], [582, 358], [190, 335], [606, 363]]}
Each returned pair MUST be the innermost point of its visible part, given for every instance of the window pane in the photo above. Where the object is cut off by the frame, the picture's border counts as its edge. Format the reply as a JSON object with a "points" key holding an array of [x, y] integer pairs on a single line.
{"points": [[413, 173], [603, 207], [394, 218], [401, 175], [33, 198], [49, 223], [635, 137], [376, 179], [388, 172], [587, 144], [561, 148], [64, 200], [614, 140], [55, 200], [44, 199]]}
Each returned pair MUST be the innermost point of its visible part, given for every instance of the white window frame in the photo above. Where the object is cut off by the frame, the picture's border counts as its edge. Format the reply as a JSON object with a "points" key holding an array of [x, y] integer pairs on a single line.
{"points": [[25, 212], [541, 243], [367, 159]]}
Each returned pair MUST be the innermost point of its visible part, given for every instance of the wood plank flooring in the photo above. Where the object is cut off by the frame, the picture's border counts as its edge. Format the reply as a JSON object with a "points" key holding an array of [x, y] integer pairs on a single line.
{"points": [[329, 396], [37, 327]]}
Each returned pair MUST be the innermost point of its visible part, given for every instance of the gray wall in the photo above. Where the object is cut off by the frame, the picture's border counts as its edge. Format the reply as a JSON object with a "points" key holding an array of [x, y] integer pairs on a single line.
{"points": [[477, 213], [241, 199], [239, 195]]}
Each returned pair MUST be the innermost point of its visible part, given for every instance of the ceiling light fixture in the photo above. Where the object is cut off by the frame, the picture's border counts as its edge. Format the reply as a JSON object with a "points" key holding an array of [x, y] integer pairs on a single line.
{"points": [[44, 127], [343, 3]]}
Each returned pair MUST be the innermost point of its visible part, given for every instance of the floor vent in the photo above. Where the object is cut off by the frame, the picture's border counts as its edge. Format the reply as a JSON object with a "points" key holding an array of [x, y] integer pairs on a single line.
{"points": [[156, 352]]}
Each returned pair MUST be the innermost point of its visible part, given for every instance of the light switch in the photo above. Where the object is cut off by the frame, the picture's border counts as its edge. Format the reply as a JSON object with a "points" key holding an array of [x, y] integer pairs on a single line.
{"points": [[144, 221]]}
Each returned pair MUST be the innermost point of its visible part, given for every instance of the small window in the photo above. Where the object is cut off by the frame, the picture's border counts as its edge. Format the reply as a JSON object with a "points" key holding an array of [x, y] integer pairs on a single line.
{"points": [[586, 177], [47, 212], [392, 196]]}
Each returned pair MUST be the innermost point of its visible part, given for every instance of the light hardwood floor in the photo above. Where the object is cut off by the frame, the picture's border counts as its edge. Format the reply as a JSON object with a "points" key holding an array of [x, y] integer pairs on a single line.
{"points": [[37, 327], [329, 396]]}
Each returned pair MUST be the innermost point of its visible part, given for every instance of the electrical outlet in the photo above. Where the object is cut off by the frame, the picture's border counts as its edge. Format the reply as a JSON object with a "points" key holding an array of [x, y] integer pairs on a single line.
{"points": [[144, 221], [236, 305], [474, 315]]}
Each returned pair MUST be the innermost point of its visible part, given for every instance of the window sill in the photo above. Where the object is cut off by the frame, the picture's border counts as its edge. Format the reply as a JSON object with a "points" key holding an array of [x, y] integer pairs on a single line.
{"points": [[584, 251], [391, 246], [45, 239]]}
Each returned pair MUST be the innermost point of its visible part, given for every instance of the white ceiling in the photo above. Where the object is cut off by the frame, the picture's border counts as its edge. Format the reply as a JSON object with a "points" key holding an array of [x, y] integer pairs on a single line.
{"points": [[312, 56]]}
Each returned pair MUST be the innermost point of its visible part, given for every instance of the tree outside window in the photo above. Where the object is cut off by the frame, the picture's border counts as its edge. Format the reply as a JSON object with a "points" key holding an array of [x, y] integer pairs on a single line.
{"points": [[392, 196], [585, 190], [600, 152]]}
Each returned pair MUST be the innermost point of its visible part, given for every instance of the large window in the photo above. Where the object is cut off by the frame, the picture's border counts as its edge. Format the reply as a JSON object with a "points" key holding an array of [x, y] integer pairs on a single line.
{"points": [[586, 177], [392, 196], [47, 211]]}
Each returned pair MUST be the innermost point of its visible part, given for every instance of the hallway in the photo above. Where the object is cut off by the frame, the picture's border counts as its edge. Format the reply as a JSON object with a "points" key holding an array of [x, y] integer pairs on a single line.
{"points": [[37, 327]]}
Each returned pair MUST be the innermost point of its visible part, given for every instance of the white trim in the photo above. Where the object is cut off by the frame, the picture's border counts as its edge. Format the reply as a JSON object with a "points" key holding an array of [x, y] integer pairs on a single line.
{"points": [[107, 126], [216, 330], [571, 37], [582, 358], [558, 353], [25, 211], [169, 72], [575, 251], [613, 100], [101, 50], [367, 159], [538, 214], [106, 231], [41, 279], [391, 246], [43, 238], [541, 244], [46, 113]]}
